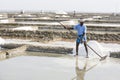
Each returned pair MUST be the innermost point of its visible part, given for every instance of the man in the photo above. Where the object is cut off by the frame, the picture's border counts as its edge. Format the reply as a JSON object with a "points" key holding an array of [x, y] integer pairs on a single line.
{"points": [[81, 35]]}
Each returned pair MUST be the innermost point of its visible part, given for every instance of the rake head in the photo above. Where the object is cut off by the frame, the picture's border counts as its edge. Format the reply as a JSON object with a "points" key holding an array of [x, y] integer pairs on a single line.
{"points": [[103, 58]]}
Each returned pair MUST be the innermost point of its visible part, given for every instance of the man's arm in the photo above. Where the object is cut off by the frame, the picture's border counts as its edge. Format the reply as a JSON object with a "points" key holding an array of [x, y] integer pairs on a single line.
{"points": [[66, 27]]}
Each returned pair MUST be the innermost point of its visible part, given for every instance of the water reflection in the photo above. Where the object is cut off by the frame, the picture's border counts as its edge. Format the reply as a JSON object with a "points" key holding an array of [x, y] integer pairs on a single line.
{"points": [[81, 72]]}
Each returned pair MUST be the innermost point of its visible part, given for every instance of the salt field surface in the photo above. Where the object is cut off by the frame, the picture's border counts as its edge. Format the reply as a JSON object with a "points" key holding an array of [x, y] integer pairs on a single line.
{"points": [[43, 23], [35, 46], [73, 23], [30, 28], [103, 24], [101, 48], [2, 41], [58, 68]]}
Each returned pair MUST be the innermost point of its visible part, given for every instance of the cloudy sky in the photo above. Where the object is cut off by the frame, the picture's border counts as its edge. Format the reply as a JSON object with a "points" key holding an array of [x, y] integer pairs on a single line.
{"points": [[65, 5]]}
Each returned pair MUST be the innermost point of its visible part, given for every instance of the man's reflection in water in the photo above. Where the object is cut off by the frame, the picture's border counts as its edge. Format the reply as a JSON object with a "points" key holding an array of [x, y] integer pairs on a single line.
{"points": [[81, 72]]}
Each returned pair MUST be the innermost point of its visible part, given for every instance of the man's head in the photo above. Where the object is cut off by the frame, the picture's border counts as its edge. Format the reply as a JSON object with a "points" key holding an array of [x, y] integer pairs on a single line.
{"points": [[81, 21]]}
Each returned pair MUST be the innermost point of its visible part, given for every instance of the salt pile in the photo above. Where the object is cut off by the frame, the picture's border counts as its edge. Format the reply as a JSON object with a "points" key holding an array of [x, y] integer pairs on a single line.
{"points": [[2, 41], [110, 47], [4, 21], [25, 28], [71, 22]]}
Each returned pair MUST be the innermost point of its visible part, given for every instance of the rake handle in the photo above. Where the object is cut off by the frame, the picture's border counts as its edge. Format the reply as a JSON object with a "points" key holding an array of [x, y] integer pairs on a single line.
{"points": [[62, 25], [94, 51]]}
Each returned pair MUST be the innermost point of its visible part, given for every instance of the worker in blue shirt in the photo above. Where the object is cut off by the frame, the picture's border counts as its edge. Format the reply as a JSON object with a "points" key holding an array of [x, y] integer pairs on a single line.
{"points": [[81, 35]]}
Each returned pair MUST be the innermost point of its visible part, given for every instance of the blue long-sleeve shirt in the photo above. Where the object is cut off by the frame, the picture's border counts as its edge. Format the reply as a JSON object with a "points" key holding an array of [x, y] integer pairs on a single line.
{"points": [[80, 29]]}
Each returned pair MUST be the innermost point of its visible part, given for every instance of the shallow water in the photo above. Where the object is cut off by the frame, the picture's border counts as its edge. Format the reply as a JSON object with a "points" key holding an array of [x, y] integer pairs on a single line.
{"points": [[41, 66]]}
